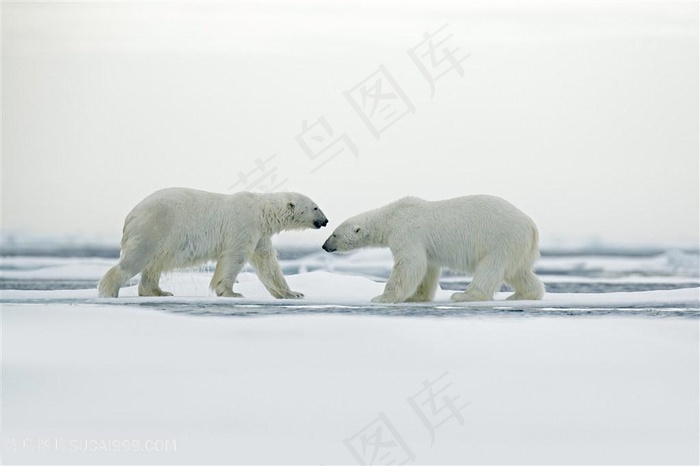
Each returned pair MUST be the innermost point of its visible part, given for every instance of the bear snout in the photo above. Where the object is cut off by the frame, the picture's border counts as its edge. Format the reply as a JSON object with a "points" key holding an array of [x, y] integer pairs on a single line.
{"points": [[322, 222], [327, 248]]}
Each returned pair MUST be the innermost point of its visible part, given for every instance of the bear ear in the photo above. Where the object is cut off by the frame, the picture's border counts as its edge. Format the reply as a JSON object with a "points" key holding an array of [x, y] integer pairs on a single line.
{"points": [[290, 205], [357, 229]]}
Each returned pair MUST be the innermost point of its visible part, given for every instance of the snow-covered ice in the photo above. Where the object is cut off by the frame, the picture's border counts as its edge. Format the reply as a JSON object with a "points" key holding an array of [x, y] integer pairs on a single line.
{"points": [[291, 389], [330, 289], [594, 378]]}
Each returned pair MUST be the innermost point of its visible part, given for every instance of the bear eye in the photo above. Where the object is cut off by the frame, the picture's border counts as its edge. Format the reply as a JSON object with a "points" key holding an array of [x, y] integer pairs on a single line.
{"points": [[357, 230], [315, 208]]}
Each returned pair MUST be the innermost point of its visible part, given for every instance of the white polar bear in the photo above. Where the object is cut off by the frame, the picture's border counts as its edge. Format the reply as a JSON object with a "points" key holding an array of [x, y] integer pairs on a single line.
{"points": [[483, 235], [179, 227]]}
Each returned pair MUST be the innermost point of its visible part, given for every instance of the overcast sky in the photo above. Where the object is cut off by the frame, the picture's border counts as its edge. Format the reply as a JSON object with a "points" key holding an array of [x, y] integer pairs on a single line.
{"points": [[583, 114]]}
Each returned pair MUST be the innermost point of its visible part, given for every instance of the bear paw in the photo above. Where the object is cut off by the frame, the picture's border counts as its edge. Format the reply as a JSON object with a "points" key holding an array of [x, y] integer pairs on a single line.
{"points": [[382, 298], [418, 299], [524, 297], [153, 292], [229, 294], [470, 296]]}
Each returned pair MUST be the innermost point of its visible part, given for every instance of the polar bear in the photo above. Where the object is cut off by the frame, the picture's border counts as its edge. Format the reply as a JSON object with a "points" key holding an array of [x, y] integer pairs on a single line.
{"points": [[179, 227], [483, 235]]}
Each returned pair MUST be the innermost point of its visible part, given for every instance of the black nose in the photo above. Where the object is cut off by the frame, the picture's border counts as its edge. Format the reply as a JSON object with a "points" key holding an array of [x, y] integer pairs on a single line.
{"points": [[324, 223], [327, 248], [320, 223]]}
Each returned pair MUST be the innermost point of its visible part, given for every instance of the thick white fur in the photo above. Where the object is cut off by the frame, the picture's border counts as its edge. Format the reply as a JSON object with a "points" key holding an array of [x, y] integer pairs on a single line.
{"points": [[482, 235], [179, 227]]}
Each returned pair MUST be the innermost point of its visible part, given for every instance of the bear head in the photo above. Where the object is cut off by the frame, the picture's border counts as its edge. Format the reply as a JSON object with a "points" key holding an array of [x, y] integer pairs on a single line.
{"points": [[303, 212], [350, 235]]}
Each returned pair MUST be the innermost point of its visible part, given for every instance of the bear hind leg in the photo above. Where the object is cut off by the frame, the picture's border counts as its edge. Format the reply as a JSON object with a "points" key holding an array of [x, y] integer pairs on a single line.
{"points": [[135, 257], [118, 275], [426, 289], [111, 282], [526, 284], [149, 283], [488, 277]]}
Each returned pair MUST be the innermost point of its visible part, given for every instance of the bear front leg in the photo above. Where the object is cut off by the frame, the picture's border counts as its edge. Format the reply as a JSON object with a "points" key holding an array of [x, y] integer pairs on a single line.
{"points": [[228, 266], [410, 266], [264, 259], [427, 288]]}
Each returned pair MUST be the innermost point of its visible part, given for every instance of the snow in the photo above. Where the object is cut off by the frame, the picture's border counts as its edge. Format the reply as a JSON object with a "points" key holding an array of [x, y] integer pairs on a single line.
{"points": [[286, 389], [595, 378]]}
